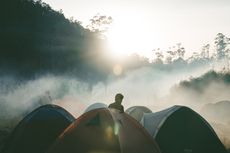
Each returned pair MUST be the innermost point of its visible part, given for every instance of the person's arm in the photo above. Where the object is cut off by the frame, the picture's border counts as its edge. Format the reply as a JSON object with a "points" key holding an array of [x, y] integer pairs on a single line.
{"points": [[122, 109]]}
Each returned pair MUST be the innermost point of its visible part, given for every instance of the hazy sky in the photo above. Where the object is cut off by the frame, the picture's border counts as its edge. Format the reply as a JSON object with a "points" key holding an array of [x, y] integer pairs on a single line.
{"points": [[143, 25]]}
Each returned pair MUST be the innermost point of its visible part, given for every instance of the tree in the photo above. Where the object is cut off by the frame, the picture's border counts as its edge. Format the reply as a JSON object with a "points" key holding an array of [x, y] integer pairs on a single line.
{"points": [[169, 56], [174, 53], [159, 56], [205, 51], [192, 58], [221, 42], [180, 51], [100, 23]]}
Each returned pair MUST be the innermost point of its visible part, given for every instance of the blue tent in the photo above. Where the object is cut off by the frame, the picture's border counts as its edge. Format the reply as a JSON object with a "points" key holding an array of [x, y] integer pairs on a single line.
{"points": [[38, 130]]}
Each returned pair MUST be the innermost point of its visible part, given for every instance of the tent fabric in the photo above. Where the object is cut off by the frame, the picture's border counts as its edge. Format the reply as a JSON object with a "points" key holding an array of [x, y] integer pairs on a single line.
{"points": [[153, 121], [95, 106], [179, 129], [105, 131], [38, 130], [137, 112]]}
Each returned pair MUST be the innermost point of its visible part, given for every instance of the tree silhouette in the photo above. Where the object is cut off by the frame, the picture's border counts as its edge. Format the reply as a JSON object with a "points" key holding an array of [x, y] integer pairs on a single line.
{"points": [[100, 23], [221, 43]]}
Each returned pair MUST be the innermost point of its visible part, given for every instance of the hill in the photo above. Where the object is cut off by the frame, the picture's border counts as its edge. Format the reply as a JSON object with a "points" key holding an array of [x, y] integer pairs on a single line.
{"points": [[199, 84], [37, 40], [218, 112], [218, 115], [197, 91]]}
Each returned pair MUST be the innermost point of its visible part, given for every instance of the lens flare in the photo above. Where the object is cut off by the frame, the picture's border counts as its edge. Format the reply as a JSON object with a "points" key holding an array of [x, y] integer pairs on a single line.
{"points": [[117, 69], [109, 133]]}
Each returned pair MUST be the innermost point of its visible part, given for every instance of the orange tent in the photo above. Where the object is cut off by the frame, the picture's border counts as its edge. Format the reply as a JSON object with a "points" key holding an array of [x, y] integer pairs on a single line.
{"points": [[105, 131]]}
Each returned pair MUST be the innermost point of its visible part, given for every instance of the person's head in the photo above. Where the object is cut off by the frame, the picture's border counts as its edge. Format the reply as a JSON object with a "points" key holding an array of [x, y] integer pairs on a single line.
{"points": [[118, 98]]}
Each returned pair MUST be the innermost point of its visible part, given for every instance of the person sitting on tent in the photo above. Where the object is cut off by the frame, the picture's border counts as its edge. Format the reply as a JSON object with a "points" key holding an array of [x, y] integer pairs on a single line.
{"points": [[117, 104]]}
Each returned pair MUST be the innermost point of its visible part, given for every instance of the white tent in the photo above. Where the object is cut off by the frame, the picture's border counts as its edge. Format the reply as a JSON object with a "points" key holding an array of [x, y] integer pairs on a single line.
{"points": [[153, 121], [137, 112], [95, 106], [179, 129]]}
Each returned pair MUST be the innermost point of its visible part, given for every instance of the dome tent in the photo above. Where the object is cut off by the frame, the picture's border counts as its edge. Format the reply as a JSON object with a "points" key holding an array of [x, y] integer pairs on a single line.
{"points": [[137, 112], [95, 106], [181, 130], [106, 131], [38, 130]]}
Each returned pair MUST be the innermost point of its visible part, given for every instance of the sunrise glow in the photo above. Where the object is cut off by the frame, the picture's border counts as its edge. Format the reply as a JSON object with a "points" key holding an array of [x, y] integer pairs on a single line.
{"points": [[129, 37]]}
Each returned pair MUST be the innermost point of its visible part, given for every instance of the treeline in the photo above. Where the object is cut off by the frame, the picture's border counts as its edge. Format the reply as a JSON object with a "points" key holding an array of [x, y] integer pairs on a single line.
{"points": [[201, 83], [216, 56], [219, 51]]}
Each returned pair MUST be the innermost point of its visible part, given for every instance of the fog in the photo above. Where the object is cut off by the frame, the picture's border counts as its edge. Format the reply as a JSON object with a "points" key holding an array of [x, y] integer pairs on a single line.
{"points": [[145, 86], [152, 87]]}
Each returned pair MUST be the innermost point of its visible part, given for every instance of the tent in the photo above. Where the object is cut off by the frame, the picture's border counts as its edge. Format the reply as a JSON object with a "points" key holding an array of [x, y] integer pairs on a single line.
{"points": [[95, 106], [4, 134], [38, 130], [137, 112], [179, 129], [105, 131]]}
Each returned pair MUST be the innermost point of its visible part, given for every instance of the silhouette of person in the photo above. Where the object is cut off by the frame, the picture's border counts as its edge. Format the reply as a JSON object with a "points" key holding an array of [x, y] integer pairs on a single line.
{"points": [[117, 104]]}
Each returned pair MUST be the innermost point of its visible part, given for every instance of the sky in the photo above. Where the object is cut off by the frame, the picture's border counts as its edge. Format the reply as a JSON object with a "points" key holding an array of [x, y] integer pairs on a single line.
{"points": [[143, 25]]}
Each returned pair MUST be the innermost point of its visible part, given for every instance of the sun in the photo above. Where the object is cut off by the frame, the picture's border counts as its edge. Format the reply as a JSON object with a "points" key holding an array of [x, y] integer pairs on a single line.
{"points": [[128, 38], [118, 39]]}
